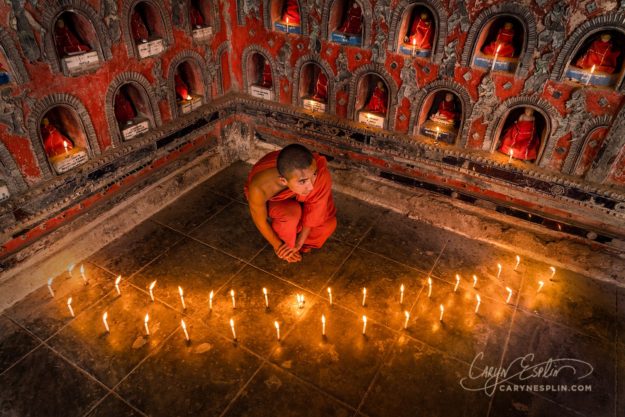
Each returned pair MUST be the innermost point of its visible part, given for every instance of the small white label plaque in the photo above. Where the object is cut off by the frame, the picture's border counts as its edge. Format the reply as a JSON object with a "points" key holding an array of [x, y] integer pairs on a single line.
{"points": [[262, 92], [314, 105], [83, 62], [202, 34], [65, 162], [136, 129], [371, 119], [150, 48]]}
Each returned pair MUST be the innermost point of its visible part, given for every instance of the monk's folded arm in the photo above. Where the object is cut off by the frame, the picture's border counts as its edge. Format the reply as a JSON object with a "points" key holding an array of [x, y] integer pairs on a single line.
{"points": [[301, 238]]}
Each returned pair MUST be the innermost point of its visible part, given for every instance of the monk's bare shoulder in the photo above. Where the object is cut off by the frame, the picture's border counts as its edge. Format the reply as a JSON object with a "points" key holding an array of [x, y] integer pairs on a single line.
{"points": [[264, 185]]}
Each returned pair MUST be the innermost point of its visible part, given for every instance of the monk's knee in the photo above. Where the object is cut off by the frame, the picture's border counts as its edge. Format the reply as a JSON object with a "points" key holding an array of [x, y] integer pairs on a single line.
{"points": [[289, 211]]}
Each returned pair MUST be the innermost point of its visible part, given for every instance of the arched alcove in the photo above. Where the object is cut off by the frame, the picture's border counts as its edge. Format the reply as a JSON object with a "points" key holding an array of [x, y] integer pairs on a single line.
{"points": [[203, 19], [441, 116], [362, 88], [185, 71], [340, 20], [599, 59], [76, 38], [499, 44], [485, 29], [221, 65], [137, 107], [67, 120], [308, 71], [588, 152], [276, 11], [426, 104], [148, 29], [417, 31], [522, 132], [259, 73], [404, 16], [11, 60], [581, 37]]}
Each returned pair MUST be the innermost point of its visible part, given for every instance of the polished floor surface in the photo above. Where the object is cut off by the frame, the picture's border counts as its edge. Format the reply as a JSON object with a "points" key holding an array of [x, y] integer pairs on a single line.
{"points": [[559, 334]]}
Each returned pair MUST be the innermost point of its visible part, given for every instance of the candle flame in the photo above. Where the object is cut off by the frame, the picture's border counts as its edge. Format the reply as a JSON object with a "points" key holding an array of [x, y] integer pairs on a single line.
{"points": [[553, 270], [147, 318], [82, 269], [69, 301], [414, 41], [119, 278], [265, 291], [401, 288], [323, 319], [210, 295], [442, 308], [231, 322], [152, 285], [180, 290], [592, 70], [479, 300], [329, 290], [231, 293], [474, 280], [49, 282], [105, 316], [540, 285], [509, 294], [275, 323], [183, 324], [70, 268]]}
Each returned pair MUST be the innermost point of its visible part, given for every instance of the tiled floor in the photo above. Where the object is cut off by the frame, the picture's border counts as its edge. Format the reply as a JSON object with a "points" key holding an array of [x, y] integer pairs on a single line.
{"points": [[52, 364]]}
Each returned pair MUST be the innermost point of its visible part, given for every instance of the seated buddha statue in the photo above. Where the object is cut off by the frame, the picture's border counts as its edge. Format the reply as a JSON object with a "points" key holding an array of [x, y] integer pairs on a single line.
{"points": [[290, 11], [421, 32], [182, 90], [124, 110], [521, 140], [138, 27], [67, 42], [195, 16], [54, 142], [352, 25], [321, 88], [266, 80], [502, 46], [377, 102], [446, 113], [601, 54]]}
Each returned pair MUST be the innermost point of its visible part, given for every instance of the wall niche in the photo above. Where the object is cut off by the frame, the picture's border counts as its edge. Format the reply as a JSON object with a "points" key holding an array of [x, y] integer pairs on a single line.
{"points": [[63, 137]]}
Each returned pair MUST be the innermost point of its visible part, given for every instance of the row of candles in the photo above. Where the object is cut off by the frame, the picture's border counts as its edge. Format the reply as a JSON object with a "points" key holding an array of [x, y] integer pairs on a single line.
{"points": [[299, 298]]}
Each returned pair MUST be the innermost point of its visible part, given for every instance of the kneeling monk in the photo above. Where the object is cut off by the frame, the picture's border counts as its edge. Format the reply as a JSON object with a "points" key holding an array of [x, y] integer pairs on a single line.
{"points": [[292, 189]]}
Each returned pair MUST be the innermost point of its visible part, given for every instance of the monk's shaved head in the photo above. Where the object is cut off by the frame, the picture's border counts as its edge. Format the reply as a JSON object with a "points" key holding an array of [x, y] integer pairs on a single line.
{"points": [[293, 157]]}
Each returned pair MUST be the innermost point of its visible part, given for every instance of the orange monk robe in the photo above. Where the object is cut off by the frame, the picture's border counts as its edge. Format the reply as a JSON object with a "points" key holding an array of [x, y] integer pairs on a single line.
{"points": [[54, 142], [289, 212], [522, 140], [421, 34], [267, 79], [447, 109], [601, 55], [503, 42], [377, 102], [67, 42], [321, 88], [291, 11], [197, 20]]}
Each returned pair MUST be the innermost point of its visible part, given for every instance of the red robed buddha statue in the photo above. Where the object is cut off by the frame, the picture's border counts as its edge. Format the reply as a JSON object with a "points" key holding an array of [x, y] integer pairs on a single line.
{"points": [[195, 16], [446, 112], [266, 80], [124, 110], [138, 27], [67, 42], [377, 102], [321, 87], [353, 21], [291, 12], [503, 42], [521, 138], [601, 54], [421, 32], [182, 90], [54, 142]]}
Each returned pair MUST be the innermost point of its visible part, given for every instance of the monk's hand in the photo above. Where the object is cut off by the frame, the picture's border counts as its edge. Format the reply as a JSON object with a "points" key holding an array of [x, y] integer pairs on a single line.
{"points": [[294, 257]]}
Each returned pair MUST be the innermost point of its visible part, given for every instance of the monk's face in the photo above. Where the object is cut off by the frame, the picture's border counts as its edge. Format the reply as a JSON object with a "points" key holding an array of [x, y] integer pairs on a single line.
{"points": [[301, 181]]}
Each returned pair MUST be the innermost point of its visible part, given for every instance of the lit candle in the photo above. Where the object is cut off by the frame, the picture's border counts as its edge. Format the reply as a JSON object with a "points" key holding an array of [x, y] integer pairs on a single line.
{"points": [[518, 261], [442, 307], [234, 303], [184, 329], [275, 323], [401, 294], [492, 68], [145, 324], [266, 298], [457, 282], [50, 287], [65, 145], [287, 24], [184, 306], [364, 325], [592, 71], [438, 131], [330, 294], [188, 98], [323, 325], [210, 300], [540, 286], [414, 46], [69, 306], [300, 300], [234, 334], [479, 300], [510, 153], [498, 270], [509, 294], [429, 287], [152, 288], [553, 271], [407, 314], [364, 296], [70, 268], [82, 273], [106, 325], [474, 280], [117, 281]]}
